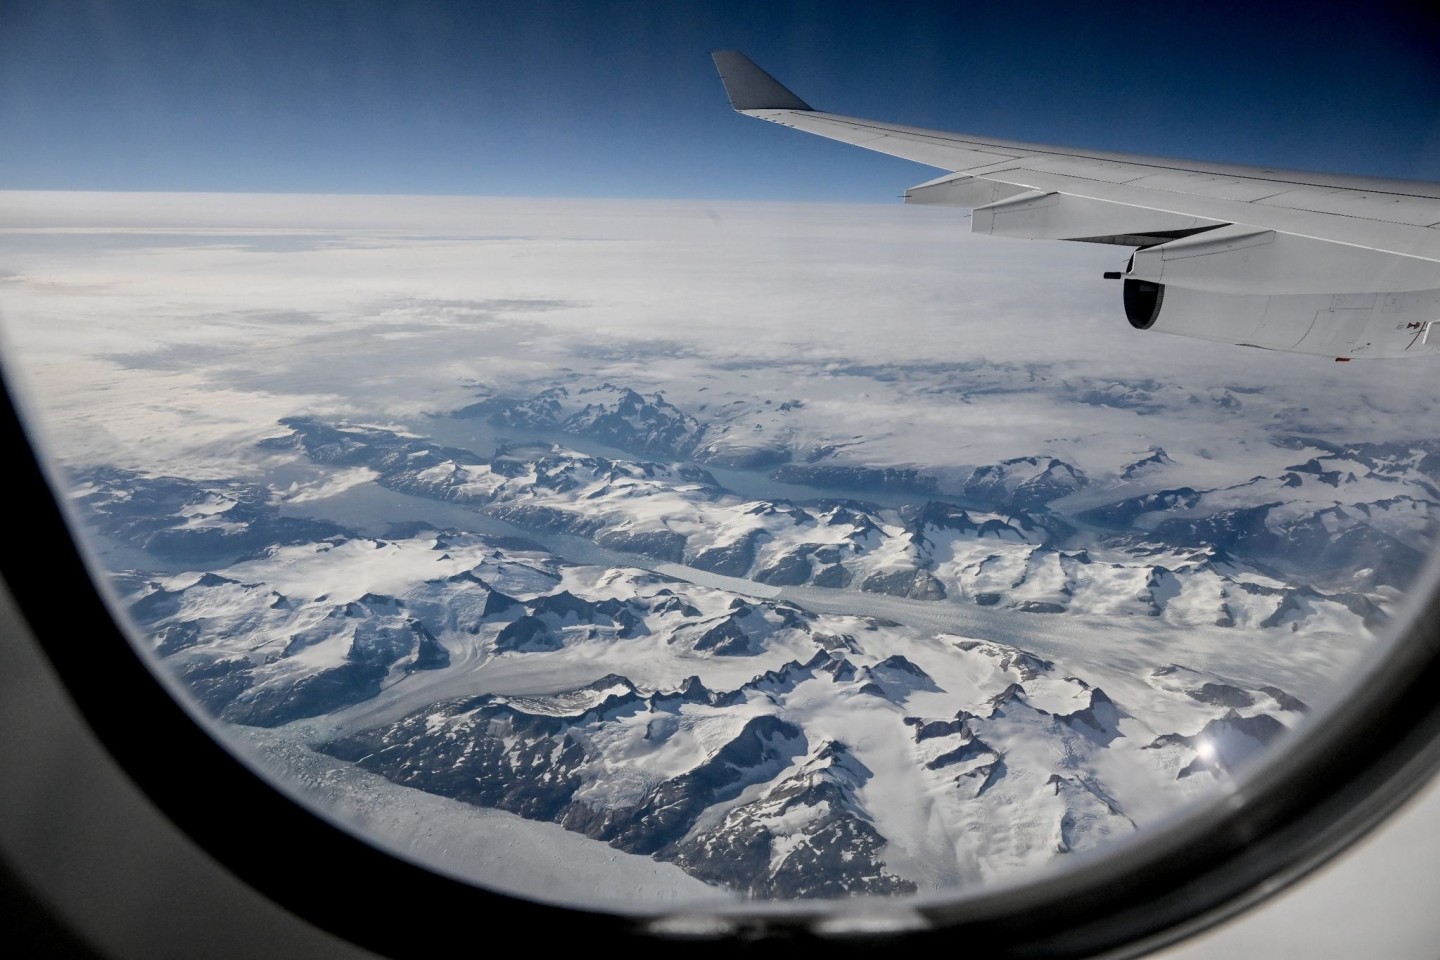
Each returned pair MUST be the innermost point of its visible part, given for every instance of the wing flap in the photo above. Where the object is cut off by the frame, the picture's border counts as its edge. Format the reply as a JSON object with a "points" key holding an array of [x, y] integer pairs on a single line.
{"points": [[1035, 215], [961, 190]]}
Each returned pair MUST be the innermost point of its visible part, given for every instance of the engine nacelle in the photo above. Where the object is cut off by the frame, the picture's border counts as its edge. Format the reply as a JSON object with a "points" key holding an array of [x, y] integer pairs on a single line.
{"points": [[1338, 325], [1240, 259]]}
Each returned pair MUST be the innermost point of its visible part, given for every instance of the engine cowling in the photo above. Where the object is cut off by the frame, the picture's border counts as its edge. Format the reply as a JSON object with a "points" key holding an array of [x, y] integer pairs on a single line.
{"points": [[1324, 324]]}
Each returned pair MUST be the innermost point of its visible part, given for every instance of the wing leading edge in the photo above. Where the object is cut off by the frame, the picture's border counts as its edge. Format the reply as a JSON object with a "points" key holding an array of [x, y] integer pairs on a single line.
{"points": [[1246, 255]]}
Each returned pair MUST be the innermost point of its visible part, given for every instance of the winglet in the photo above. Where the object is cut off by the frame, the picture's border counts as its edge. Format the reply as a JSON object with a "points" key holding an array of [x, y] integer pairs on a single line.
{"points": [[751, 88]]}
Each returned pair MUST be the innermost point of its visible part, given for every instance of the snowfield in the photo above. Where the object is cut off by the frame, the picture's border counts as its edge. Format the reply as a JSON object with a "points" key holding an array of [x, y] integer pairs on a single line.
{"points": [[762, 745]]}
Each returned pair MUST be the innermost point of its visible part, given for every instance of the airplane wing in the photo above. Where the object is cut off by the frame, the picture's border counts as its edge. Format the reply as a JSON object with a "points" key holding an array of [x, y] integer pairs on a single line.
{"points": [[1311, 263]]}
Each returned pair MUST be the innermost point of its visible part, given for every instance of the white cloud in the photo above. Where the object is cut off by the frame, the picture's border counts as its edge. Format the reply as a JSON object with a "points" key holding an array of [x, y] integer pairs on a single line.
{"points": [[175, 326]]}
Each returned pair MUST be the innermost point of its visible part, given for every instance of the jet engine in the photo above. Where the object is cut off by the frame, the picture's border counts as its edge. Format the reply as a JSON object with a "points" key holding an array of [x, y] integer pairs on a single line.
{"points": [[1255, 288]]}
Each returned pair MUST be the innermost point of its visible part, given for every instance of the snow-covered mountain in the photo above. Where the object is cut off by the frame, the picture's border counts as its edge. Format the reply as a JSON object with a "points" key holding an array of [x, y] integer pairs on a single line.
{"points": [[1367, 511], [617, 416], [669, 698], [757, 745], [1186, 572]]}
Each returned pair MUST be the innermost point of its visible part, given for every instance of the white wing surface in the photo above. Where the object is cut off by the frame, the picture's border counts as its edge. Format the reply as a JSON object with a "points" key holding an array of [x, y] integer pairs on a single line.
{"points": [[1312, 263]]}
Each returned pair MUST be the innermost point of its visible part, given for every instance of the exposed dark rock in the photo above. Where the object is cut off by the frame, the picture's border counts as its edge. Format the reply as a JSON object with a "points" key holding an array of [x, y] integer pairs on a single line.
{"points": [[1026, 664], [726, 639], [970, 748], [1012, 693], [159, 515], [666, 545], [1242, 530], [913, 584], [808, 836], [563, 606], [1285, 700], [1225, 744], [174, 637], [430, 653], [930, 729], [937, 516], [1221, 695], [279, 701], [1039, 606], [1023, 482], [1100, 720], [763, 745], [498, 604], [214, 679], [987, 774], [732, 559], [526, 635], [897, 677], [788, 569], [669, 603], [870, 479], [1157, 458], [737, 457], [1122, 514]]}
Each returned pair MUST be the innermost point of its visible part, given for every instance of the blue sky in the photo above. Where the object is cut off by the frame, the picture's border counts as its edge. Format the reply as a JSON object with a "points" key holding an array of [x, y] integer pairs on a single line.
{"points": [[620, 98]]}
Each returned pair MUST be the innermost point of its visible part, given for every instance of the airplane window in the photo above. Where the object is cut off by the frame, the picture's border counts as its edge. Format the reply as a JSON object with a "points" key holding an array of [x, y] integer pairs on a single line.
{"points": [[752, 546]]}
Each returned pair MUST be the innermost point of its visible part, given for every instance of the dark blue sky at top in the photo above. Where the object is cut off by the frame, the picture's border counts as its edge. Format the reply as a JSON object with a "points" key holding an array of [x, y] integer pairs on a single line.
{"points": [[620, 99]]}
